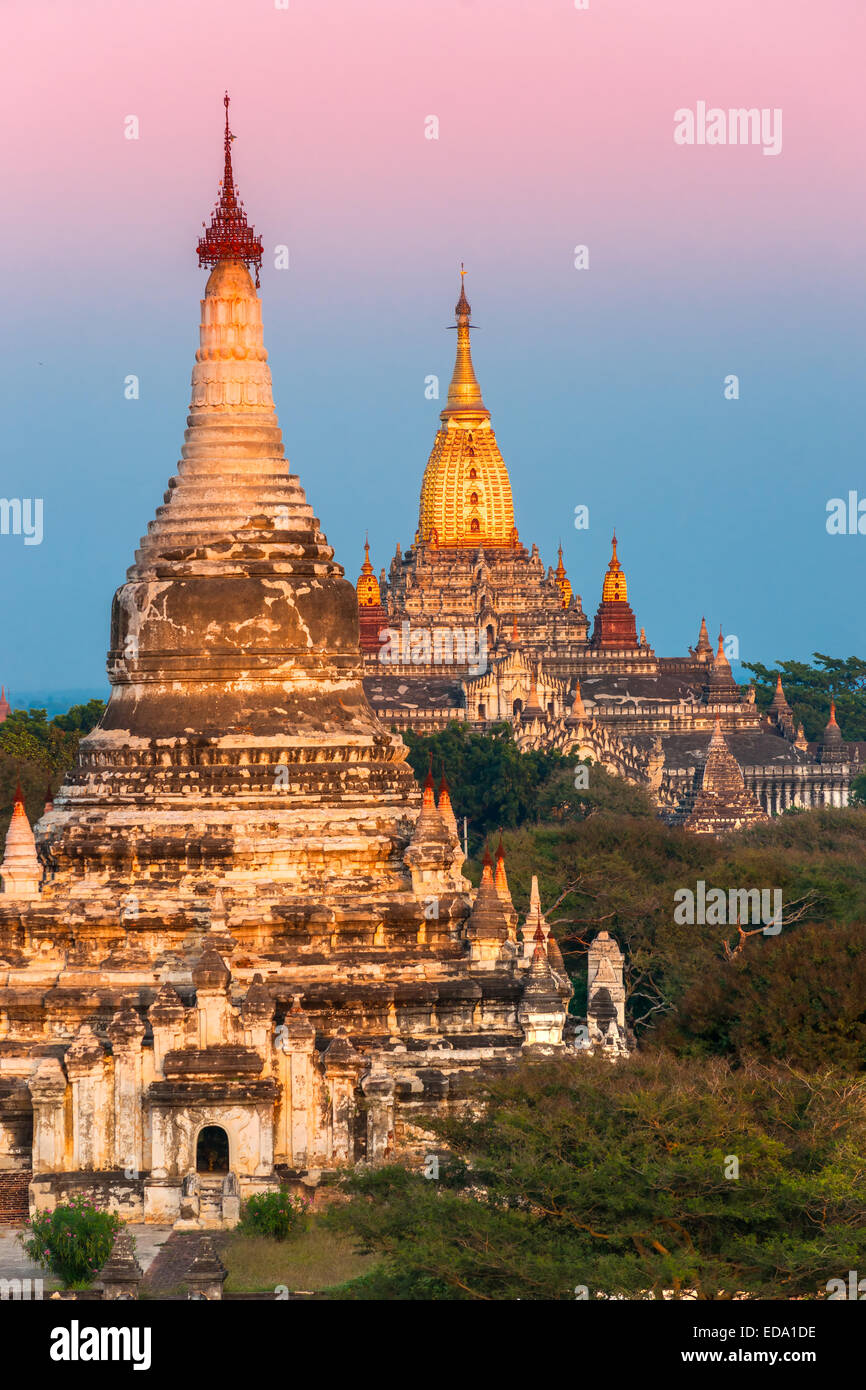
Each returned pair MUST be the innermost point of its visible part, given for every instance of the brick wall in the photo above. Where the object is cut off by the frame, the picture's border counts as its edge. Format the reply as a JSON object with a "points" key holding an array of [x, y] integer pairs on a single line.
{"points": [[13, 1195]]}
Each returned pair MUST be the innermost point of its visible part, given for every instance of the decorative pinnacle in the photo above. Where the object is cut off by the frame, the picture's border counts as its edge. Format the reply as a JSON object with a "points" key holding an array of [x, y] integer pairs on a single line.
{"points": [[229, 237]]}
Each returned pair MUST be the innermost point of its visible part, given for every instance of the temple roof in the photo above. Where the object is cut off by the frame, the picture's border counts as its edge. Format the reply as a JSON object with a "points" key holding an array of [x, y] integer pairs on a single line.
{"points": [[754, 748], [414, 692]]}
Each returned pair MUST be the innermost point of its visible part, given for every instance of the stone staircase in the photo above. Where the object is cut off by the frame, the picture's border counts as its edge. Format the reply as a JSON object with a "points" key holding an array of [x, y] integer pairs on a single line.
{"points": [[210, 1214]]}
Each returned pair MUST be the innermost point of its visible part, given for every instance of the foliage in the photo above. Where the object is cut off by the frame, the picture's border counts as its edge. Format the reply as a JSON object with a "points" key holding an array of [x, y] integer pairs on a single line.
{"points": [[559, 800], [799, 996], [809, 690], [793, 996], [37, 752], [491, 781], [617, 1180], [277, 1215], [73, 1241]]}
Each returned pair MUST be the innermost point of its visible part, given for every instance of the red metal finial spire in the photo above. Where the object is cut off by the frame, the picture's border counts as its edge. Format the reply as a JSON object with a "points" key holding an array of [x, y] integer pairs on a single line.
{"points": [[229, 237]]}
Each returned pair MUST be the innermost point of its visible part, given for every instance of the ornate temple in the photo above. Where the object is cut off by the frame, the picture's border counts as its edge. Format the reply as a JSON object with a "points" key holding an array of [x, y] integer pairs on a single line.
{"points": [[238, 947], [469, 626]]}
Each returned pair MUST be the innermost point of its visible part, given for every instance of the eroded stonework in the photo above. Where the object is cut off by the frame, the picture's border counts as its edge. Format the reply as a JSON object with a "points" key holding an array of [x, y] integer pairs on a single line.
{"points": [[252, 952]]}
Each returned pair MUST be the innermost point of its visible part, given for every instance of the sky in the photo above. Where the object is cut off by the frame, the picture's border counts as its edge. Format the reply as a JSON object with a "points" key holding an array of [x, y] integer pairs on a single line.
{"points": [[606, 384]]}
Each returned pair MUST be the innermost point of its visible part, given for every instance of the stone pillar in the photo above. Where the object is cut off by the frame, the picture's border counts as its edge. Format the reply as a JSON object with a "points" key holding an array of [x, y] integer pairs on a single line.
{"points": [[342, 1066], [126, 1031], [296, 1040], [48, 1092], [85, 1067], [212, 977], [257, 1012], [166, 1015], [378, 1088]]}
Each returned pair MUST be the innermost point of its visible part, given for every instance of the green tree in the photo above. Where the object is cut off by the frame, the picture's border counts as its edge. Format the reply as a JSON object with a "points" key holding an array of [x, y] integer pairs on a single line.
{"points": [[491, 781], [620, 1180], [73, 1241], [37, 751], [810, 689], [619, 872]]}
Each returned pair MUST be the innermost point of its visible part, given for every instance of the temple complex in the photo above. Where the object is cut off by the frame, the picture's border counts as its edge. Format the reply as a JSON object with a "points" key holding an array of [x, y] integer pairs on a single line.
{"points": [[473, 628], [239, 946]]}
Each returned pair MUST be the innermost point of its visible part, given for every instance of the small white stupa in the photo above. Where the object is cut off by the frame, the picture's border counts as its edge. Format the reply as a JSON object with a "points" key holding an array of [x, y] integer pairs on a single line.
{"points": [[21, 871]]}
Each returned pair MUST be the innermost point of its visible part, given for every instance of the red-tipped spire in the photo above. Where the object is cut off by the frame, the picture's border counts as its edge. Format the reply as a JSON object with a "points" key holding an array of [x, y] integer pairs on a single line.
{"points": [[429, 801], [487, 871], [229, 237], [501, 878], [832, 719]]}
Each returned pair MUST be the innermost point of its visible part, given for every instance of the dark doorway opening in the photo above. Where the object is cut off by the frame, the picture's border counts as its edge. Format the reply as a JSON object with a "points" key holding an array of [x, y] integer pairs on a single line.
{"points": [[212, 1150]]}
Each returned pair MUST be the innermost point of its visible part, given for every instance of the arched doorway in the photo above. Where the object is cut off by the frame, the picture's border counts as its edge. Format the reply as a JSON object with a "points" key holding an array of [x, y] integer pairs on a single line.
{"points": [[212, 1150]]}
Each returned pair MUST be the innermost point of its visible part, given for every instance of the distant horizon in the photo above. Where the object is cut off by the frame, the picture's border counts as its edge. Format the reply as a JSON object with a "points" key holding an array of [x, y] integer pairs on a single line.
{"points": [[58, 700]]}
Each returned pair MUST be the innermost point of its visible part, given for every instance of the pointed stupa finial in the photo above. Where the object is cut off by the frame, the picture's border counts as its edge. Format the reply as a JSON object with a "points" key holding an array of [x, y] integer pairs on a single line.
{"points": [[229, 237], [615, 588], [578, 709], [562, 582], [428, 802], [21, 871], [500, 877], [487, 869], [704, 643], [779, 703], [444, 807], [534, 897], [464, 392], [369, 594]]}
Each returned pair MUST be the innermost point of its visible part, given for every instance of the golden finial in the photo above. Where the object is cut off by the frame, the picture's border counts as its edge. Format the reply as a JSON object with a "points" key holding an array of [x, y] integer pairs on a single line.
{"points": [[614, 589], [369, 595], [464, 393]]}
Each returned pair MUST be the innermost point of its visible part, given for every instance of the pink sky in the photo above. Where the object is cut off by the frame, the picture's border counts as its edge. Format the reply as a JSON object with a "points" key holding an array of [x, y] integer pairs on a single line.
{"points": [[329, 104]]}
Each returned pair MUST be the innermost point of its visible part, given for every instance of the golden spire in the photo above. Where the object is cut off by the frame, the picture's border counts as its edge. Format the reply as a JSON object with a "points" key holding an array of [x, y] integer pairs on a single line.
{"points": [[614, 589], [368, 585], [466, 497], [464, 393], [562, 582]]}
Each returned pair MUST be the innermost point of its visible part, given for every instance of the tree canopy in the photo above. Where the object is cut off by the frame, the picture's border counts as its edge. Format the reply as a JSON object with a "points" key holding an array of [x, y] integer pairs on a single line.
{"points": [[810, 689], [582, 1179]]}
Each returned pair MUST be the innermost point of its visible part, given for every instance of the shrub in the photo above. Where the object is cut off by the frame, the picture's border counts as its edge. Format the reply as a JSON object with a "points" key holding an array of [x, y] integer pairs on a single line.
{"points": [[275, 1214], [73, 1240]]}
